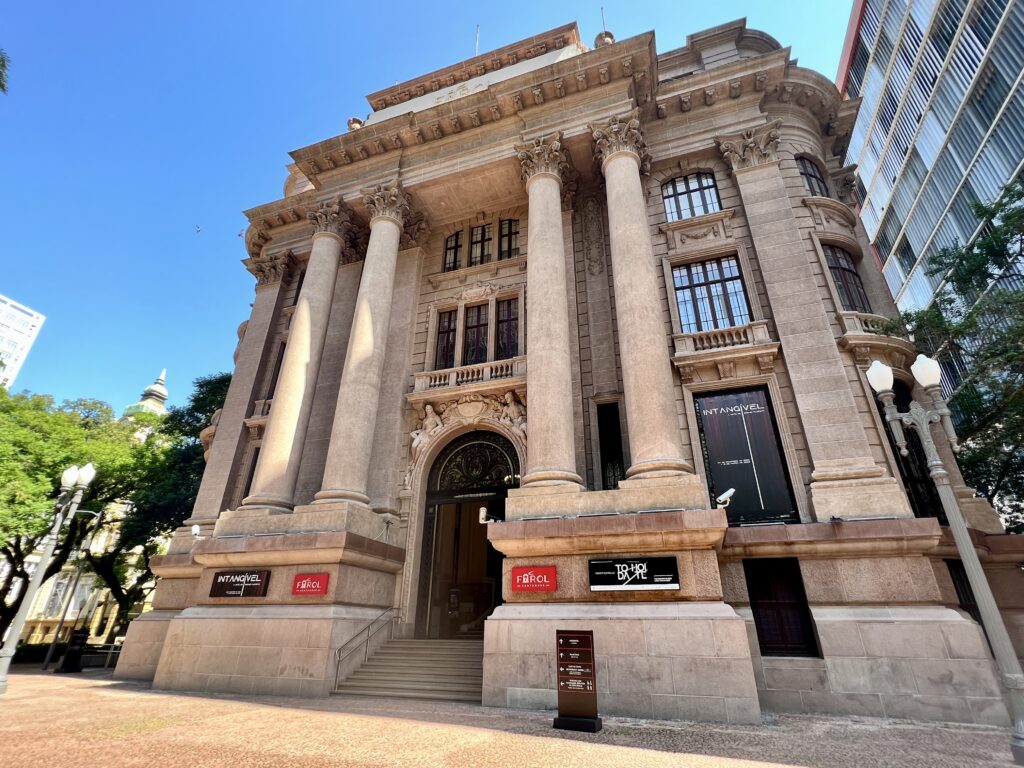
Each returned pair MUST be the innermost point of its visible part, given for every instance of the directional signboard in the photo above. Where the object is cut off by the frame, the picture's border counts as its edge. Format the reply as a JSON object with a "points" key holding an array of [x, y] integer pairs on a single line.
{"points": [[577, 684]]}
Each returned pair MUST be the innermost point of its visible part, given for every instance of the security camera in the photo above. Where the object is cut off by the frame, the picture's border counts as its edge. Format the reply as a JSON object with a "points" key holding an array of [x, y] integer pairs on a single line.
{"points": [[484, 517], [723, 500], [196, 530]]}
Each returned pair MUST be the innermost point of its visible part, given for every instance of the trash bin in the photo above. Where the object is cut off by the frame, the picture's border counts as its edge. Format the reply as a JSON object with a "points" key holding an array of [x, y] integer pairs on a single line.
{"points": [[72, 661]]}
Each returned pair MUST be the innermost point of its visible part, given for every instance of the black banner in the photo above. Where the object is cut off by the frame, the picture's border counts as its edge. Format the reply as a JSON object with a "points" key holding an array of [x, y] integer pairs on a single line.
{"points": [[240, 583], [742, 451], [623, 574], [577, 684]]}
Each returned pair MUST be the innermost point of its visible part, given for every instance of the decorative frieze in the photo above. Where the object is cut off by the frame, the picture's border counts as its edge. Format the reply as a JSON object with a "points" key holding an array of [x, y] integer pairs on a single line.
{"points": [[699, 233], [752, 147], [390, 201], [622, 133]]}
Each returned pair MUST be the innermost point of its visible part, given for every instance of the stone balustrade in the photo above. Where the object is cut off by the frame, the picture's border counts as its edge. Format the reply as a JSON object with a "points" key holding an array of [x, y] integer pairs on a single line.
{"points": [[865, 322], [722, 338], [471, 374]]}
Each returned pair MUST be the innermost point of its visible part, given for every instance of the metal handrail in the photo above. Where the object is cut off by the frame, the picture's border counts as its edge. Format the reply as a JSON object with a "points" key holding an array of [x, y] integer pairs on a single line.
{"points": [[341, 654]]}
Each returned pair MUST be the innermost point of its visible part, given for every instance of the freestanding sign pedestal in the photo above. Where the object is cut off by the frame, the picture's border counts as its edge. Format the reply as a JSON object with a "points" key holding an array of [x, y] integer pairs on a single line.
{"points": [[577, 685]]}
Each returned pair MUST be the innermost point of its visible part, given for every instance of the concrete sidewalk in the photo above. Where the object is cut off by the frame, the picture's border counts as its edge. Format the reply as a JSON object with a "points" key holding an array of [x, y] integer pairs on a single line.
{"points": [[90, 720]]}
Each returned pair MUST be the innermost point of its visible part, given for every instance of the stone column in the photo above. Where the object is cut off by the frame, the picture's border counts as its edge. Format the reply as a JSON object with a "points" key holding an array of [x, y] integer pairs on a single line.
{"points": [[551, 457], [845, 479], [355, 416], [273, 484], [270, 272], [655, 445]]}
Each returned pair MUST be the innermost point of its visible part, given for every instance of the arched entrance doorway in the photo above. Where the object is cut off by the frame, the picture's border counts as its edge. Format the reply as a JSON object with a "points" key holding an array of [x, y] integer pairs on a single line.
{"points": [[460, 572]]}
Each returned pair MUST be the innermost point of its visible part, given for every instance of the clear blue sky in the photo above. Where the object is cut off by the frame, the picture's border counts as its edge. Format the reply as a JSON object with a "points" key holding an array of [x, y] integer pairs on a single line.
{"points": [[127, 124]]}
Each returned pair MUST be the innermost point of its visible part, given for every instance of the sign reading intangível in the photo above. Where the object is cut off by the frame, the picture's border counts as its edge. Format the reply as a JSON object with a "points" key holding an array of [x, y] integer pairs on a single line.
{"points": [[240, 583]]}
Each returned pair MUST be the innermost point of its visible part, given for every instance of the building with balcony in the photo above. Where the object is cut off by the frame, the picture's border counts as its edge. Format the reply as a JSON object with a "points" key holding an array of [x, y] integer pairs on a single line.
{"points": [[513, 336], [942, 99]]}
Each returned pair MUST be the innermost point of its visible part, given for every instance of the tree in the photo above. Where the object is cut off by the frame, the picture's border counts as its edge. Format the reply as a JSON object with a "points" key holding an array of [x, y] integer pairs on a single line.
{"points": [[169, 467], [5, 62], [40, 440], [975, 326]]}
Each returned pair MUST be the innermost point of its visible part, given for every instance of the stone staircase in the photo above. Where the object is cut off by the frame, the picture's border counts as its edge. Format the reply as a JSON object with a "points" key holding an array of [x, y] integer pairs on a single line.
{"points": [[450, 670]]}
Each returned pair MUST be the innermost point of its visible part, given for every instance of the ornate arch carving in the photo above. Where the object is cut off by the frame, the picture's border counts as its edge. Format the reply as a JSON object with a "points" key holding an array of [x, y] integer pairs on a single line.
{"points": [[477, 459]]}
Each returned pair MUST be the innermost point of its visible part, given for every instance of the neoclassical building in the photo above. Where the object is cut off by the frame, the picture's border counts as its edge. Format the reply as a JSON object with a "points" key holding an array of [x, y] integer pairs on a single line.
{"points": [[513, 336]]}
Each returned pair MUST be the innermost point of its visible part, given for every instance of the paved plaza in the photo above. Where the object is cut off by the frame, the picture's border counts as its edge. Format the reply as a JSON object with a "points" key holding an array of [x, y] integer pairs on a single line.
{"points": [[89, 719]]}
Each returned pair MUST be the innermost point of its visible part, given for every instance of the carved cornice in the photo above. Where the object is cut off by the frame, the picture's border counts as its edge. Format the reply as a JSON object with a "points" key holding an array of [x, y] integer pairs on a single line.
{"points": [[331, 216], [752, 147], [270, 268], [544, 155], [622, 133], [387, 200]]}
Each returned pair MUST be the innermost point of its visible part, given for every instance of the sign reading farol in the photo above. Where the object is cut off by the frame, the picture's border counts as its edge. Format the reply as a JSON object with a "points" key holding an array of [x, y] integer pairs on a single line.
{"points": [[534, 578], [310, 583], [634, 573], [240, 583]]}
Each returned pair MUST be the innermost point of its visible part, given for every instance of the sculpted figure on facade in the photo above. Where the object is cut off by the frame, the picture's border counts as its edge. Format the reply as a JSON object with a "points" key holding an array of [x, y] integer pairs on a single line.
{"points": [[513, 413], [429, 425], [388, 200], [622, 133], [751, 147]]}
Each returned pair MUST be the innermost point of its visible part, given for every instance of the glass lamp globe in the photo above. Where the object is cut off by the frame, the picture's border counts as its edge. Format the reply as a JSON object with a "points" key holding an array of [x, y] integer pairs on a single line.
{"points": [[69, 477], [86, 474], [926, 371], [879, 376]]}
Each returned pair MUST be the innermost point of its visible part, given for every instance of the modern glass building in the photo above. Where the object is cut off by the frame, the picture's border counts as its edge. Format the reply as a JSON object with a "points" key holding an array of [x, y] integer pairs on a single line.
{"points": [[940, 124]]}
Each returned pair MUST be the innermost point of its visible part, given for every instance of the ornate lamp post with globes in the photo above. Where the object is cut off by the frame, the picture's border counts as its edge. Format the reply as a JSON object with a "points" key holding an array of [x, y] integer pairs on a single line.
{"points": [[67, 505], [920, 418]]}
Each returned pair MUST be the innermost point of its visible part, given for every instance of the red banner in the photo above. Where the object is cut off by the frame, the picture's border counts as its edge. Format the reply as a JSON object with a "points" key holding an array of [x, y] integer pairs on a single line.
{"points": [[310, 583], [535, 578]]}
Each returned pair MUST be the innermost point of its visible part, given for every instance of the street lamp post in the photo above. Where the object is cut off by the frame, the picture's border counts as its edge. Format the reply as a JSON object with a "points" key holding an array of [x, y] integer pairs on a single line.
{"points": [[67, 505], [928, 374]]}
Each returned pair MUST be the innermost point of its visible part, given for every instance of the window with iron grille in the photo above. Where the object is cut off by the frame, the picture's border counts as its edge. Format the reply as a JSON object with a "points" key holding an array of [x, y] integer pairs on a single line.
{"points": [[710, 295], [846, 279], [508, 239], [474, 345], [779, 605], [689, 196], [480, 245], [452, 251], [508, 329], [814, 182], [445, 349]]}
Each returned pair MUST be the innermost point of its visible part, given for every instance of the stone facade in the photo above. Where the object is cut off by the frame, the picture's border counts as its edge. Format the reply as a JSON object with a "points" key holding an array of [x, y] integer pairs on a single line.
{"points": [[499, 248]]}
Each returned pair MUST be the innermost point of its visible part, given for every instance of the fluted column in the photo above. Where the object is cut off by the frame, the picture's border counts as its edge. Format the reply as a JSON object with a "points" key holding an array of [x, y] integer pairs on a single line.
{"points": [[273, 484], [551, 456], [355, 417], [655, 444]]}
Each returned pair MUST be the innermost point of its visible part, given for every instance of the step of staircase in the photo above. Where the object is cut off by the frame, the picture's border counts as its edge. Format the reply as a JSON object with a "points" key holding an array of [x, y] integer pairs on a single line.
{"points": [[448, 670]]}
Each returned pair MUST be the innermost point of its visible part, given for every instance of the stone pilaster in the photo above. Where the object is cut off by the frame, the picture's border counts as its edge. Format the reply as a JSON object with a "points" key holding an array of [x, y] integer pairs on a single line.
{"points": [[273, 484], [845, 479], [655, 444], [355, 417], [551, 457]]}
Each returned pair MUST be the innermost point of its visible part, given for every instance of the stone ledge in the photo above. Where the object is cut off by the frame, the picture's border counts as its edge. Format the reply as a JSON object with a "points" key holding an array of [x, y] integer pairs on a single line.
{"points": [[902, 536], [300, 549]]}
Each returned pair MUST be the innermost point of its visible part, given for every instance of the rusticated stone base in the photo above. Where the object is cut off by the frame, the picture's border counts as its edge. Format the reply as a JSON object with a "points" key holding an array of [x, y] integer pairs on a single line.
{"points": [[143, 645], [686, 660], [913, 662]]}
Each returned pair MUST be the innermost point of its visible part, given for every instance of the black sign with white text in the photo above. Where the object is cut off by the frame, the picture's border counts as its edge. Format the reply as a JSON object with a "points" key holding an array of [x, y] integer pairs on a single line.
{"points": [[577, 684], [240, 583], [624, 574]]}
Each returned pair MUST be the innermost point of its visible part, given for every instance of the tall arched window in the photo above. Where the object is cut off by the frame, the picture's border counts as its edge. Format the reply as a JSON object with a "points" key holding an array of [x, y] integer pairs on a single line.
{"points": [[689, 196], [814, 182], [846, 279]]}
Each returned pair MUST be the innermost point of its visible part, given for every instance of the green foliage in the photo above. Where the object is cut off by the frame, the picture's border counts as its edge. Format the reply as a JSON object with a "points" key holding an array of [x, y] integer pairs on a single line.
{"points": [[978, 318]]}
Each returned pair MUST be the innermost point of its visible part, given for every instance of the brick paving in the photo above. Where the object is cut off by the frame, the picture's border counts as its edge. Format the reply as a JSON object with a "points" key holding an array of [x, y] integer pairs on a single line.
{"points": [[90, 720]]}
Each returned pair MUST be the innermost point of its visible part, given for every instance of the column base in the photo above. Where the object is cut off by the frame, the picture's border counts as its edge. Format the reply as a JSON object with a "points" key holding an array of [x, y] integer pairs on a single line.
{"points": [[858, 497], [266, 504], [665, 466], [331, 495], [675, 492], [548, 477]]}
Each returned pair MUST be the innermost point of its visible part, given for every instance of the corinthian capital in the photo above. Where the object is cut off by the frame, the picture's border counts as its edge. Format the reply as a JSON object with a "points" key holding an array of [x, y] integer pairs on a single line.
{"points": [[622, 133], [332, 216], [269, 268], [387, 200], [753, 146], [543, 155]]}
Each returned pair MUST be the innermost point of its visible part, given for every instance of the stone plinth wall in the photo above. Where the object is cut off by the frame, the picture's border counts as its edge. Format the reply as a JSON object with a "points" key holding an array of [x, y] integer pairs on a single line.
{"points": [[266, 650], [143, 644], [914, 662], [687, 661]]}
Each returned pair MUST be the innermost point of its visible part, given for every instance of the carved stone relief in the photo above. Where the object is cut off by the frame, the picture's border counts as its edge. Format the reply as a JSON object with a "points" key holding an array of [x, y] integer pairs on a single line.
{"points": [[593, 236], [752, 147], [622, 134]]}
